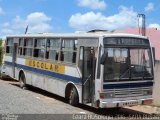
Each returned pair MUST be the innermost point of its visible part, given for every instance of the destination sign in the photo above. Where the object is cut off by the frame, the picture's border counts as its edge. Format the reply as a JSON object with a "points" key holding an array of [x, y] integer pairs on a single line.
{"points": [[125, 41]]}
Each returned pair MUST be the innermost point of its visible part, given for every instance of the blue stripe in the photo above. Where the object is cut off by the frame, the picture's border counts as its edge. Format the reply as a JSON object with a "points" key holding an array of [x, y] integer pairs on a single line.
{"points": [[8, 63], [48, 73], [127, 85]]}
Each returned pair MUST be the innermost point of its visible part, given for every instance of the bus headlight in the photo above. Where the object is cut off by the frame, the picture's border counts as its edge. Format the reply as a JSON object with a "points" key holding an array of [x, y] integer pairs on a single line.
{"points": [[107, 95], [147, 92]]}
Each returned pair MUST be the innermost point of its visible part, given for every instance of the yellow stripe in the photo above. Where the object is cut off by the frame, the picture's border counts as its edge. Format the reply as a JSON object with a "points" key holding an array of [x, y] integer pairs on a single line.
{"points": [[45, 66]]}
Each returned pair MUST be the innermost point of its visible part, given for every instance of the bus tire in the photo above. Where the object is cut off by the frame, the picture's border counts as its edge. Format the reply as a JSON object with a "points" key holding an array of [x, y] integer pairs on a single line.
{"points": [[73, 97], [22, 81]]}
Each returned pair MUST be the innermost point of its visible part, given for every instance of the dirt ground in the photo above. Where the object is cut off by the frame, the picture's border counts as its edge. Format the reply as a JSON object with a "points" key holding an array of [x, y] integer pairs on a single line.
{"points": [[14, 100], [146, 109]]}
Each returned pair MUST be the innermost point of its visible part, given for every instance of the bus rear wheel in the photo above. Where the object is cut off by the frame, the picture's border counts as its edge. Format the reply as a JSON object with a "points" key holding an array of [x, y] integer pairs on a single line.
{"points": [[73, 97], [22, 81]]}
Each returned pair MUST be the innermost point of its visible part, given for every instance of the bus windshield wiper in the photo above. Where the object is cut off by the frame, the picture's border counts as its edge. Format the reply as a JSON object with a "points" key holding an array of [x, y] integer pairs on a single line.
{"points": [[124, 73]]}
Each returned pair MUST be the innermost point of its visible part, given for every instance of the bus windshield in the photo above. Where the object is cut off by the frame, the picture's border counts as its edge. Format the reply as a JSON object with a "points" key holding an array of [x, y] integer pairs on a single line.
{"points": [[127, 63]]}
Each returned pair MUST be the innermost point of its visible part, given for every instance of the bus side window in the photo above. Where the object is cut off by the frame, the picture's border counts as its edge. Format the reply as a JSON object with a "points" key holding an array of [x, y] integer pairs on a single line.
{"points": [[53, 48], [69, 51], [9, 46], [28, 44], [39, 47]]}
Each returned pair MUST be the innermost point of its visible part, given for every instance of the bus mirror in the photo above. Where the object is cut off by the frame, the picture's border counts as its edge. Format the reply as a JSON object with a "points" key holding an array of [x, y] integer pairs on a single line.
{"points": [[153, 51], [103, 58]]}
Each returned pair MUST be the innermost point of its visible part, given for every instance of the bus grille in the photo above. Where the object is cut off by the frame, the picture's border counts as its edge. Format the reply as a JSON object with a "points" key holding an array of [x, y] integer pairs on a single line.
{"points": [[128, 92]]}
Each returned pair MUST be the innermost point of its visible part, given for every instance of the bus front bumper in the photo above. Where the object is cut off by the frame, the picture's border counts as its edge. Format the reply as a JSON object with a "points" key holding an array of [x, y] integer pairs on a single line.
{"points": [[104, 104]]}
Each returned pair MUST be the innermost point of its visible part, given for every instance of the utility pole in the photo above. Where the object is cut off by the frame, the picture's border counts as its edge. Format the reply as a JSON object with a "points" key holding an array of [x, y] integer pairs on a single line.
{"points": [[142, 28]]}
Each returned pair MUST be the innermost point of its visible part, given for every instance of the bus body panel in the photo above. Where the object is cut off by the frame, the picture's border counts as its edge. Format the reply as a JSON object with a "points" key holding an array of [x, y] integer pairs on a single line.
{"points": [[8, 68], [48, 83]]}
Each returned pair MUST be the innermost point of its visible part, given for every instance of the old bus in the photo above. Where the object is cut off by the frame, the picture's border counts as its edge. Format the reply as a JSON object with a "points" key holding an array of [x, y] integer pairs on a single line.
{"points": [[103, 70]]}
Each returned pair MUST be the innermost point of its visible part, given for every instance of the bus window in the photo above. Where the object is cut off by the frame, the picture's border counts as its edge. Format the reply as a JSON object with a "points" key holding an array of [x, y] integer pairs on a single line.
{"points": [[39, 47], [28, 44], [9, 46], [53, 48], [69, 51]]}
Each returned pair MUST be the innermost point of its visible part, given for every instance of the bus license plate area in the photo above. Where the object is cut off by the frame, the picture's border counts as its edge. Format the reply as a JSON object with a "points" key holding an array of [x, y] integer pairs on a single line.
{"points": [[131, 103]]}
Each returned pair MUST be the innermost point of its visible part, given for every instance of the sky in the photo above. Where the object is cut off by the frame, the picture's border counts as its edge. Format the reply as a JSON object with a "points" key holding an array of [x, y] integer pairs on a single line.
{"points": [[65, 16]]}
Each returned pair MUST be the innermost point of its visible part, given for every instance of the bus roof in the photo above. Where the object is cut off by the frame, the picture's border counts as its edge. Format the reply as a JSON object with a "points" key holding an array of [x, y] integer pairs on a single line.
{"points": [[78, 35]]}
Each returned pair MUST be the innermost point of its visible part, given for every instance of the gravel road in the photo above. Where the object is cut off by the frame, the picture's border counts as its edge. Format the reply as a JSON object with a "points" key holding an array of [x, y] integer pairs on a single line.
{"points": [[14, 100], [18, 101]]}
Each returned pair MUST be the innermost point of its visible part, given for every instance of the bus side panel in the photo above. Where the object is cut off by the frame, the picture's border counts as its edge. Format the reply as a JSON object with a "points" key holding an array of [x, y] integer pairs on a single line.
{"points": [[9, 71], [33, 79], [8, 64], [72, 71], [55, 86], [17, 70], [20, 61], [49, 84], [46, 80], [58, 86]]}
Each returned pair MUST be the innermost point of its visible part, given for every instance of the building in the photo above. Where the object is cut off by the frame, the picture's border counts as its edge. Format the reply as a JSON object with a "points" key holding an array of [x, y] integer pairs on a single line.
{"points": [[152, 33]]}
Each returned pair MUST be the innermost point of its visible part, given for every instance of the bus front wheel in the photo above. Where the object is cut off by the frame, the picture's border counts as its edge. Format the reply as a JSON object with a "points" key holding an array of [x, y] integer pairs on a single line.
{"points": [[22, 81], [73, 97]]}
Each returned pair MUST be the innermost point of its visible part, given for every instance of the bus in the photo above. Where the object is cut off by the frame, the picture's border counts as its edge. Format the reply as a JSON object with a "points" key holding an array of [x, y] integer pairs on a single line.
{"points": [[99, 69]]}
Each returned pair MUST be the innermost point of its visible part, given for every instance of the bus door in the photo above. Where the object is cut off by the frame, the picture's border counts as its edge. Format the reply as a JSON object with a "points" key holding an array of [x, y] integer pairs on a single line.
{"points": [[14, 55], [88, 70]]}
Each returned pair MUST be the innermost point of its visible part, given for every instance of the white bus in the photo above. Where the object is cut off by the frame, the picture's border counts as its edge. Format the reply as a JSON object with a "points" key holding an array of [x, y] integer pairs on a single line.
{"points": [[103, 70]]}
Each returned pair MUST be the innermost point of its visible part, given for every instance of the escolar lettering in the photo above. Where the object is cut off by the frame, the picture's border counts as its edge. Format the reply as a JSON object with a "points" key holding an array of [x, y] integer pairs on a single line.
{"points": [[45, 66]]}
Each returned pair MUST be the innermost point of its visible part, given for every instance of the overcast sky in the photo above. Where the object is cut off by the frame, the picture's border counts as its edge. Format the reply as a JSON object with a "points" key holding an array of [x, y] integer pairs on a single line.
{"points": [[74, 15]]}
